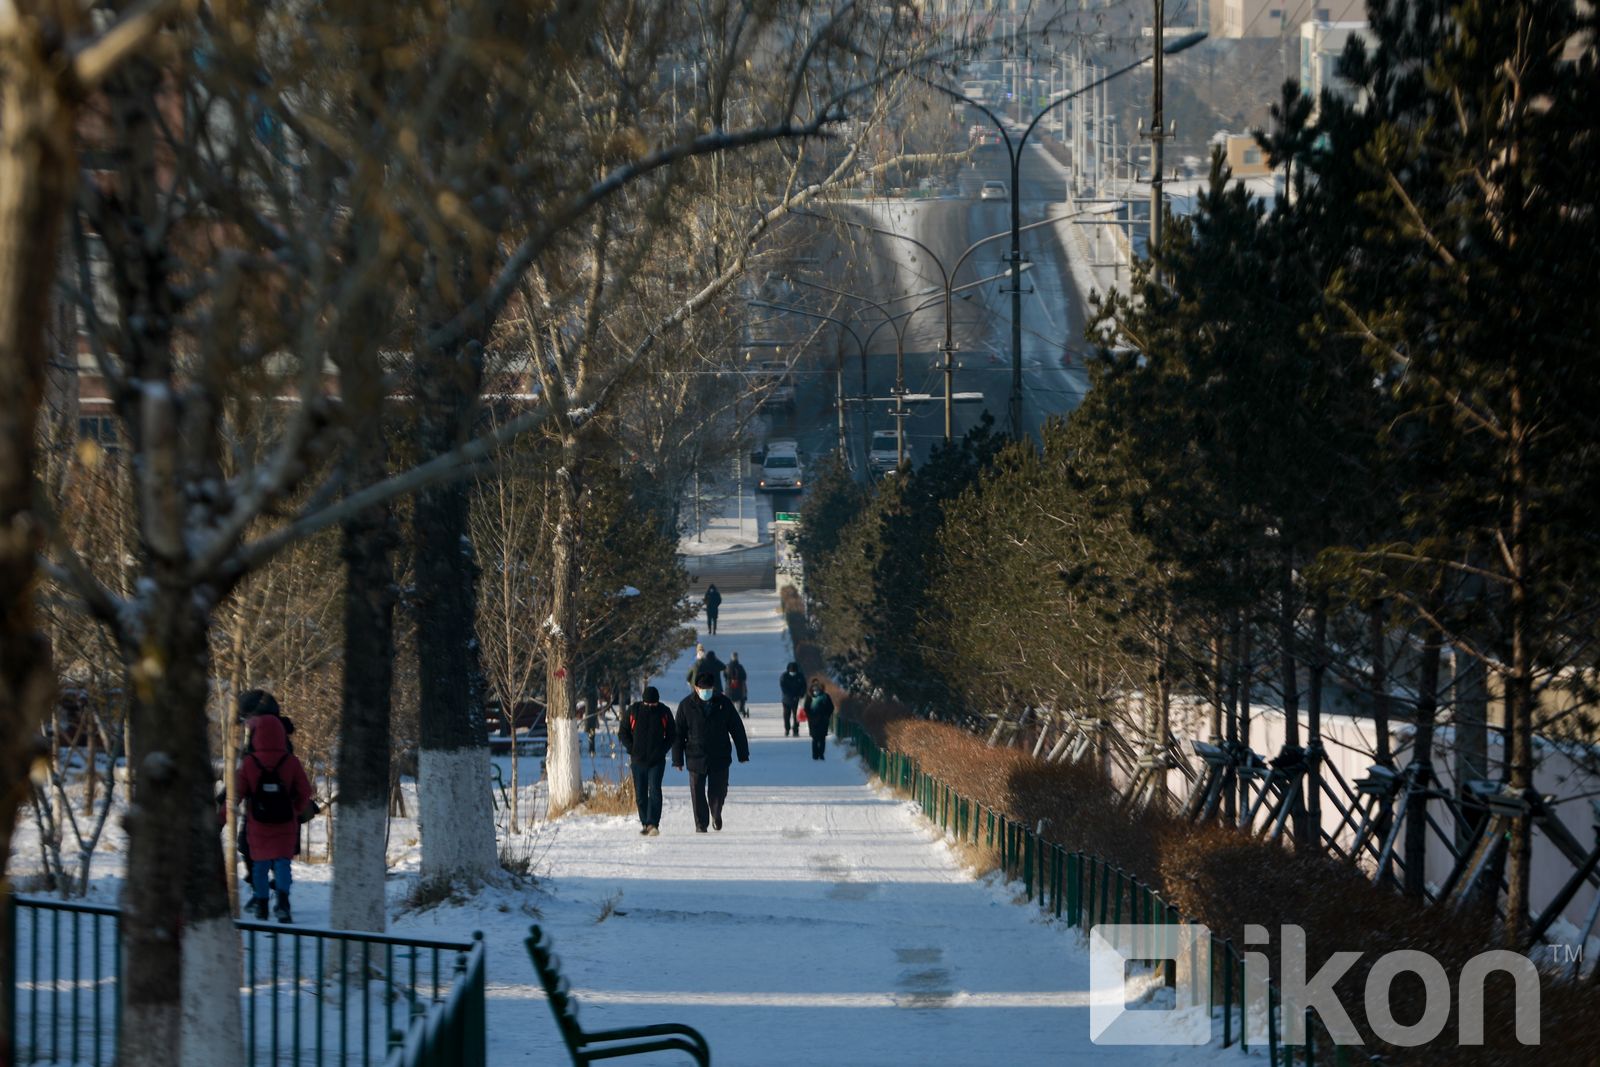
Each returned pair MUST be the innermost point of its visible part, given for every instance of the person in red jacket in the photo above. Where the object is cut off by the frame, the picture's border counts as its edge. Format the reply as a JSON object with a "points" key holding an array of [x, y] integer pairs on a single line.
{"points": [[274, 789]]}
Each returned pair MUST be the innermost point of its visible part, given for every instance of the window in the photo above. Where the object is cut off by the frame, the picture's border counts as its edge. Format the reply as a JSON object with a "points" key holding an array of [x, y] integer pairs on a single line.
{"points": [[1252, 156], [1275, 13], [99, 428], [1323, 14]]}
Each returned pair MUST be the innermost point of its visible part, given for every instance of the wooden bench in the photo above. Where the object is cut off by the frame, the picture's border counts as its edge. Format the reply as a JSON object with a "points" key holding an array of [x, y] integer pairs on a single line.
{"points": [[587, 1047]]}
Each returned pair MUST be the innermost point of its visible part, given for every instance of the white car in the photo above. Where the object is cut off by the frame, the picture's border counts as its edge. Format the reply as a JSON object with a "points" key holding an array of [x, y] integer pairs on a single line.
{"points": [[781, 471], [993, 190], [883, 454]]}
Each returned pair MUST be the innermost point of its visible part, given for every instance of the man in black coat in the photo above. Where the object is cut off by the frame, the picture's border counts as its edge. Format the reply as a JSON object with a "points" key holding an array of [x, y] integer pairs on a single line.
{"points": [[793, 685], [647, 735], [738, 684], [819, 714], [709, 731]]}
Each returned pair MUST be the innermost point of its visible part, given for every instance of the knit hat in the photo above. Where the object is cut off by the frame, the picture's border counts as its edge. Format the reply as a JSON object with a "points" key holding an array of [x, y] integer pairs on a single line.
{"points": [[253, 702], [651, 694], [705, 680]]}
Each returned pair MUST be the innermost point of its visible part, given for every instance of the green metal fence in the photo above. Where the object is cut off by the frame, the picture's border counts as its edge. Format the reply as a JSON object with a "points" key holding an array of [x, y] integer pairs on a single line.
{"points": [[309, 996], [1086, 891]]}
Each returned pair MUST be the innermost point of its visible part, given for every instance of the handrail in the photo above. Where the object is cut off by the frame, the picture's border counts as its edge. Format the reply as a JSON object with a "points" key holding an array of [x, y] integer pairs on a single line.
{"points": [[312, 994]]}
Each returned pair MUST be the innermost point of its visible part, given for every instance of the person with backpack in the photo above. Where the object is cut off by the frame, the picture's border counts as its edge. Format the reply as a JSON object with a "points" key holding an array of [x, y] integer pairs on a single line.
{"points": [[819, 714], [713, 602], [792, 684], [275, 791], [647, 735], [709, 733], [738, 684]]}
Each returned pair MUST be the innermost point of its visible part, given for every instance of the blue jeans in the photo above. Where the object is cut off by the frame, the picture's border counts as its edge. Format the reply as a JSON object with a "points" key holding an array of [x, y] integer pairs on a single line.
{"points": [[647, 790], [259, 869]]}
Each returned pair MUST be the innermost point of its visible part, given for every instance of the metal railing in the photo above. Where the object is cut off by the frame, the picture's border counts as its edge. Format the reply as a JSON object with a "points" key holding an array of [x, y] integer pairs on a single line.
{"points": [[1086, 891], [309, 996]]}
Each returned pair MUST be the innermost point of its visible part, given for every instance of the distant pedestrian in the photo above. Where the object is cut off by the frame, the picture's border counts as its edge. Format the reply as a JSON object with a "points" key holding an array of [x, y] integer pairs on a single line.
{"points": [[275, 791], [738, 684], [819, 714], [709, 733], [253, 702], [793, 686], [647, 734], [713, 602], [707, 662]]}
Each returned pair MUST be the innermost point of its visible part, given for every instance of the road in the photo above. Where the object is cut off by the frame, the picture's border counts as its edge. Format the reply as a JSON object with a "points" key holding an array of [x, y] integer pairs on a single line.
{"points": [[889, 270]]}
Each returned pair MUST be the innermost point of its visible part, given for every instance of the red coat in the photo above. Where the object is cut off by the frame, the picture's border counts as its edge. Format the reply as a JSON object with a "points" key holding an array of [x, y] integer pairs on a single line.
{"points": [[268, 745]]}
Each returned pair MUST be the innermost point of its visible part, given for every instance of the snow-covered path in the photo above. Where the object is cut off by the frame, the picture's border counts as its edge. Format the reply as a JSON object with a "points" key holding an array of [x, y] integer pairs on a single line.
{"points": [[826, 924]]}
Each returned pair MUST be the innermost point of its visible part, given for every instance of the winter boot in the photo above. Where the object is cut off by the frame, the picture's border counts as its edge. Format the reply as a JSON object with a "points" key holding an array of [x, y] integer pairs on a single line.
{"points": [[281, 912], [258, 907]]}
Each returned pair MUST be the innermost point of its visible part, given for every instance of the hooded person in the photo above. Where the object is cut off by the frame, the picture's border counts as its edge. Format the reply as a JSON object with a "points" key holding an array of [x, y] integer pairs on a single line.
{"points": [[792, 684], [273, 787], [709, 733], [819, 714], [647, 734]]}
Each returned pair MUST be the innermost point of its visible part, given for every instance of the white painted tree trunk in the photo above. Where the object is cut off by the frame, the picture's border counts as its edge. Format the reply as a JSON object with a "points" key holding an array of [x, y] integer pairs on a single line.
{"points": [[563, 765], [212, 1031], [359, 866], [456, 813]]}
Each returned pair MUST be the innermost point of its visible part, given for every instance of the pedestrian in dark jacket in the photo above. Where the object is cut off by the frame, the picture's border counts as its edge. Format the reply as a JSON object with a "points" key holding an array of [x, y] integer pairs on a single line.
{"points": [[709, 733], [708, 663], [275, 791], [713, 602], [738, 684], [647, 734], [793, 686], [819, 714]]}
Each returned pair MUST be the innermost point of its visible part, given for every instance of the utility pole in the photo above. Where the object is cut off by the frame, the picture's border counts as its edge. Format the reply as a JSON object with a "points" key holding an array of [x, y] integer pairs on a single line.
{"points": [[1158, 134]]}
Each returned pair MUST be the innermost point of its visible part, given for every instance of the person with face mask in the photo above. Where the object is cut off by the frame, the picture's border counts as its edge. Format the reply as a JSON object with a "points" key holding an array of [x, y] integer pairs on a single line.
{"points": [[709, 733], [819, 713]]}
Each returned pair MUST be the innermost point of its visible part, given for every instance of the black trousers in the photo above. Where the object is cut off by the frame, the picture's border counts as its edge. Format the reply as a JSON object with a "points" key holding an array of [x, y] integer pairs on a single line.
{"points": [[707, 790], [711, 619], [819, 746], [791, 716]]}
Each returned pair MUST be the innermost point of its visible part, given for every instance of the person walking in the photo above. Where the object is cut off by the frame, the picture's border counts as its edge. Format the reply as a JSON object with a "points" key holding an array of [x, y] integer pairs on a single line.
{"points": [[792, 684], [709, 734], [819, 714], [275, 791], [647, 734], [738, 684], [707, 663], [713, 602]]}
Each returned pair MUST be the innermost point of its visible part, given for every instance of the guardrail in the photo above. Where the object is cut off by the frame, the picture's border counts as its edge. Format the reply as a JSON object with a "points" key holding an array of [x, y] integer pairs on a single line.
{"points": [[1086, 891], [310, 996]]}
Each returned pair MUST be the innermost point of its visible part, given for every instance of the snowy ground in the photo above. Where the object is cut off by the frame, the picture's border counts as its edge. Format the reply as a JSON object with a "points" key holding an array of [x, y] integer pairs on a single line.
{"points": [[827, 924]]}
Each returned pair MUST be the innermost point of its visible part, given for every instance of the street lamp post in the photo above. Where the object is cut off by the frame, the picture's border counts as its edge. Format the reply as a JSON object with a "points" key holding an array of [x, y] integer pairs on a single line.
{"points": [[838, 372], [1014, 151], [946, 278]]}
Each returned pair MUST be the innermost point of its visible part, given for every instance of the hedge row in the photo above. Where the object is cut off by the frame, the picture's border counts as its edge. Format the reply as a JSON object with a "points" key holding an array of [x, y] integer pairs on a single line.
{"points": [[1226, 879]]}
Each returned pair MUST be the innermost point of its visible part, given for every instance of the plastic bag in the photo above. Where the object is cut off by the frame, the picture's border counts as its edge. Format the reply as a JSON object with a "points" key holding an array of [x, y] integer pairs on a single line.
{"points": [[803, 715]]}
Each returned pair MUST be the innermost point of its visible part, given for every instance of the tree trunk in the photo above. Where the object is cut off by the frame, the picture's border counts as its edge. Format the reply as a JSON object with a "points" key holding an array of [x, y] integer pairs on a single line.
{"points": [[1246, 672], [1471, 729], [360, 862], [1416, 843], [1289, 668], [563, 763], [181, 957], [361, 822], [37, 168], [1380, 717], [455, 805], [1519, 685], [1318, 670]]}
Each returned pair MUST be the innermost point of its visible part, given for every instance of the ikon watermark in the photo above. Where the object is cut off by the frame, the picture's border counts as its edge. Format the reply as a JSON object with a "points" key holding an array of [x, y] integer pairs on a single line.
{"points": [[1189, 1020]]}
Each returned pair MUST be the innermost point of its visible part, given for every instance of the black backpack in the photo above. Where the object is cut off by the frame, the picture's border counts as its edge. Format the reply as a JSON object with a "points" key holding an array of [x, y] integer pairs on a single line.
{"points": [[270, 801]]}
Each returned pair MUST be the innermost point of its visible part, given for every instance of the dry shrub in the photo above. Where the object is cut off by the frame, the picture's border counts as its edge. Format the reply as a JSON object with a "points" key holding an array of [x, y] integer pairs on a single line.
{"points": [[602, 796], [1225, 879], [807, 649]]}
